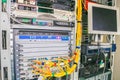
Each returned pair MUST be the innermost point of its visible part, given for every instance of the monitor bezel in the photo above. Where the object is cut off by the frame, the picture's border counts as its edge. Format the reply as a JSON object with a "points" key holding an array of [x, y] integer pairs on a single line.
{"points": [[90, 20]]}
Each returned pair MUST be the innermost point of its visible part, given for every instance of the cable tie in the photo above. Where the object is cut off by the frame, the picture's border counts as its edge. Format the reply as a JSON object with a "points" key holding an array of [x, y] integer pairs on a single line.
{"points": [[79, 21], [75, 63], [78, 47], [53, 74], [66, 73]]}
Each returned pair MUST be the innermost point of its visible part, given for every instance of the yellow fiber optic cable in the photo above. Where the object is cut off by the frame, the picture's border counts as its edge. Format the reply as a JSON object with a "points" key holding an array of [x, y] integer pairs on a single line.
{"points": [[45, 71]]}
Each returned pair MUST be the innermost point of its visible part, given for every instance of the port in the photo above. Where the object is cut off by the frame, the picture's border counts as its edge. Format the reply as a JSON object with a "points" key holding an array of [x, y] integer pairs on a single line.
{"points": [[5, 73], [4, 39], [22, 73]]}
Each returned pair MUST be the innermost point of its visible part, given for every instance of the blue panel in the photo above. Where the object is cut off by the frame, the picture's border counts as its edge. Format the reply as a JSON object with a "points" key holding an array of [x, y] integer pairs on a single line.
{"points": [[38, 37], [53, 37], [114, 47], [44, 37], [24, 37], [107, 50], [63, 38], [32, 37]]}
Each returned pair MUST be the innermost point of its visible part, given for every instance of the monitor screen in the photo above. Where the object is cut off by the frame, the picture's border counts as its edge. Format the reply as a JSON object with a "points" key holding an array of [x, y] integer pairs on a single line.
{"points": [[102, 19]]}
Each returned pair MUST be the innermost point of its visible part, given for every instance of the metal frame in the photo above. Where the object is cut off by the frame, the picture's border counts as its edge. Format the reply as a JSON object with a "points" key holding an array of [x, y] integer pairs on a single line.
{"points": [[5, 53], [6, 60]]}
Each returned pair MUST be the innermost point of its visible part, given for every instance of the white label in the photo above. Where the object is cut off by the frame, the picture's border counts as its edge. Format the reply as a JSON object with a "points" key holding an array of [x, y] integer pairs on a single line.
{"points": [[40, 78]]}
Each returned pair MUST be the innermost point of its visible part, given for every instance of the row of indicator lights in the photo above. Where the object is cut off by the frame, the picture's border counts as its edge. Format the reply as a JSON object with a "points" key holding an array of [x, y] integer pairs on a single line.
{"points": [[42, 23], [44, 37], [36, 22]]}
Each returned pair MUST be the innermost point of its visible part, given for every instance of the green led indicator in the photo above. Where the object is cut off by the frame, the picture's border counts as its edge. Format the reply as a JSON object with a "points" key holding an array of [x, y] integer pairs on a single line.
{"points": [[4, 1], [41, 23], [34, 19], [25, 20]]}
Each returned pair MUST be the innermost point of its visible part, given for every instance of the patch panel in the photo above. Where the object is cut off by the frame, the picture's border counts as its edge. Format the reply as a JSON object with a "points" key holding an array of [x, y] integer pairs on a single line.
{"points": [[49, 23], [40, 45], [57, 4], [94, 49], [22, 10]]}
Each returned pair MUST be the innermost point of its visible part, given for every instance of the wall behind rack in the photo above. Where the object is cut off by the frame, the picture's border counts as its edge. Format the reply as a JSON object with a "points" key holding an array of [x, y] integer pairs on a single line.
{"points": [[116, 70]]}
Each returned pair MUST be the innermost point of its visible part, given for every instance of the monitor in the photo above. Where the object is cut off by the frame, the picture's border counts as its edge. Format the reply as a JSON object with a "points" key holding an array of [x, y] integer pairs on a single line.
{"points": [[103, 19]]}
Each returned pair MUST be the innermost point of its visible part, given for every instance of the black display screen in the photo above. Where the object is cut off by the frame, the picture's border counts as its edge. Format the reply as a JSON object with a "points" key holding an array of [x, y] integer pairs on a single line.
{"points": [[104, 19]]}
